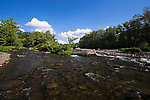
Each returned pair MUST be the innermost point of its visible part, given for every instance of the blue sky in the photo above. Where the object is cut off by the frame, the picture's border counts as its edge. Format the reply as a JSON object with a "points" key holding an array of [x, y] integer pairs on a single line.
{"points": [[72, 18]]}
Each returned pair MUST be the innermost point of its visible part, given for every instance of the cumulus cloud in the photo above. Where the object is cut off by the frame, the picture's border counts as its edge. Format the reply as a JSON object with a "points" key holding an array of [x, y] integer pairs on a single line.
{"points": [[75, 34], [79, 33], [41, 26], [61, 42], [22, 30], [36, 23], [106, 27]]}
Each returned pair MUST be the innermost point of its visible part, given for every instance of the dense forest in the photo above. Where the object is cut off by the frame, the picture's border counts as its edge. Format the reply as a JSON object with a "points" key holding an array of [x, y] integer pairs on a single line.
{"points": [[12, 38], [133, 33]]}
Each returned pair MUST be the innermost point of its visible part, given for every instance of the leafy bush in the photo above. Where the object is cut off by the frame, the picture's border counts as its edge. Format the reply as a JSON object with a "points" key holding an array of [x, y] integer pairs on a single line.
{"points": [[55, 48], [74, 45], [32, 48], [5, 48], [65, 50], [131, 50]]}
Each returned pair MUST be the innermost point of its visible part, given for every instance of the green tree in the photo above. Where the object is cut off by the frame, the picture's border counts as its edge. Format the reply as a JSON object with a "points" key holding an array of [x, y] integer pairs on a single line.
{"points": [[8, 35], [71, 40]]}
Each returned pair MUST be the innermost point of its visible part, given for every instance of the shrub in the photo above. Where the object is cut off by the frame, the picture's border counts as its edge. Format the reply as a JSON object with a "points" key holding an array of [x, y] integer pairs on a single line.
{"points": [[55, 48], [9, 48], [138, 50]]}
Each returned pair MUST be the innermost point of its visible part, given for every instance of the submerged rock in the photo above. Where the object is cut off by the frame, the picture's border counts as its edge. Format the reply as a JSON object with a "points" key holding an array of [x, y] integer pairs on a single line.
{"points": [[21, 56], [12, 84], [94, 76], [87, 52], [95, 62], [82, 87], [48, 69], [51, 85], [115, 66]]}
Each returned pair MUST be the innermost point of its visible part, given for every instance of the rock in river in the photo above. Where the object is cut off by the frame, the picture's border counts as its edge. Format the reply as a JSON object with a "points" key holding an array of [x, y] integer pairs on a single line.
{"points": [[51, 85]]}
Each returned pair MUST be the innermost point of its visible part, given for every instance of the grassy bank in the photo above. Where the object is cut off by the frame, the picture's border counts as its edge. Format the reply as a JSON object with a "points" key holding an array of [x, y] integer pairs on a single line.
{"points": [[135, 49]]}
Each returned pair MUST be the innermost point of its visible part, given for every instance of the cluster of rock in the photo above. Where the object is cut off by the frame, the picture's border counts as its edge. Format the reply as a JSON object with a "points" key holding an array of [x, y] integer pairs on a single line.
{"points": [[116, 52], [84, 52], [113, 52], [4, 58]]}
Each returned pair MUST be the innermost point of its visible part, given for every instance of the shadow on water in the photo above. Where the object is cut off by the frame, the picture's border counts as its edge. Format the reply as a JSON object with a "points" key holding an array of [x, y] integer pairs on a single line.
{"points": [[39, 76]]}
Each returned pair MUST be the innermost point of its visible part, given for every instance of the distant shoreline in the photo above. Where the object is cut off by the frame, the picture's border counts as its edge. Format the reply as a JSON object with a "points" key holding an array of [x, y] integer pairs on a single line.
{"points": [[113, 52]]}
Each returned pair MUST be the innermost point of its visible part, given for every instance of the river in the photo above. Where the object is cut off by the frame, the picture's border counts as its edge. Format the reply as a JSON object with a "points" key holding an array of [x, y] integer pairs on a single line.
{"points": [[39, 76]]}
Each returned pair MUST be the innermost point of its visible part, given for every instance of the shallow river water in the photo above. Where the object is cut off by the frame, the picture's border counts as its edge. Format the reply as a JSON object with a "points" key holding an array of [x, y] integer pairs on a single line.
{"points": [[39, 76]]}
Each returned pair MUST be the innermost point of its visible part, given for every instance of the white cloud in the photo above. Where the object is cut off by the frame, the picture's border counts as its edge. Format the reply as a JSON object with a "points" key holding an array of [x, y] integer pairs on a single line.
{"points": [[77, 40], [36, 23], [61, 42], [41, 26], [106, 27], [75, 34], [22, 30], [79, 33]]}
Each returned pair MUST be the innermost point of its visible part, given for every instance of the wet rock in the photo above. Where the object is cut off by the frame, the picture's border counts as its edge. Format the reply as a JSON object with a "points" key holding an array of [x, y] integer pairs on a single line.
{"points": [[51, 85], [14, 50], [94, 76], [21, 56], [87, 52], [48, 69], [82, 87], [43, 73], [60, 64], [116, 67], [12, 84], [95, 62], [112, 58]]}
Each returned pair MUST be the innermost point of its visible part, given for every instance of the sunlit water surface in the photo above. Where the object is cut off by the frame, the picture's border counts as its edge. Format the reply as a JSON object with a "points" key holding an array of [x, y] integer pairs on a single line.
{"points": [[39, 76]]}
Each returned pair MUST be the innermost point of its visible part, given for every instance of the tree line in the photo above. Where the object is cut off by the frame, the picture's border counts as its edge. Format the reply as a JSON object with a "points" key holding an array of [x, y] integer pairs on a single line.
{"points": [[132, 33], [12, 38]]}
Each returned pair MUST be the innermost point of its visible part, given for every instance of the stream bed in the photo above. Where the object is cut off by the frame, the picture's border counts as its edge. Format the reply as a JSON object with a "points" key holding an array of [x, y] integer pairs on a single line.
{"points": [[40, 76]]}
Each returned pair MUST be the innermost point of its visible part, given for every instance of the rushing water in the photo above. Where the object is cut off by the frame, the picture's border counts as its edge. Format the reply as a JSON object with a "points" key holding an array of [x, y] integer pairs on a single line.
{"points": [[39, 76]]}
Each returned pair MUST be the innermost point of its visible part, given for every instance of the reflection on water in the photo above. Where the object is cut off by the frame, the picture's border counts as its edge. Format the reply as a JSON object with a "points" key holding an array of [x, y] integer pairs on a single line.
{"points": [[40, 76]]}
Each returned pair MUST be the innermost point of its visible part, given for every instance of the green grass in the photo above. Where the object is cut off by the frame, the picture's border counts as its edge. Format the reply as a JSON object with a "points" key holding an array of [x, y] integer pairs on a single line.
{"points": [[132, 50]]}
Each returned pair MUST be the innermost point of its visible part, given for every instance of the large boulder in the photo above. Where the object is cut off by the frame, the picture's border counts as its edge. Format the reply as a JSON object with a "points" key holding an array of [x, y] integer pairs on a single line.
{"points": [[87, 52]]}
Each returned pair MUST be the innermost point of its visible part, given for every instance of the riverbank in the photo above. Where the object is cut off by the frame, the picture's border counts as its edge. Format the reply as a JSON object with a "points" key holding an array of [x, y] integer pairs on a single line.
{"points": [[112, 52], [142, 58], [4, 58]]}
